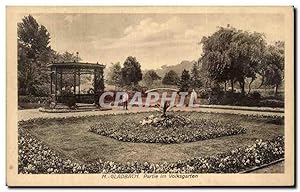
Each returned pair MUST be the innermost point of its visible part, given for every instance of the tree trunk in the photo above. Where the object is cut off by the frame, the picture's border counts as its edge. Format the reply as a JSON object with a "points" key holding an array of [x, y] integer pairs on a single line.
{"points": [[249, 87], [276, 89], [232, 89], [225, 84], [242, 85]]}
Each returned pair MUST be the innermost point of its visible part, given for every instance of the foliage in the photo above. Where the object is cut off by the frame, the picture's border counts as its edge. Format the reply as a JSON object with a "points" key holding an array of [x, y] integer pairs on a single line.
{"points": [[271, 103], [149, 77], [170, 78], [203, 93], [114, 76], [233, 55], [34, 52], [65, 57], [185, 81], [272, 70], [131, 71], [196, 81], [255, 95], [32, 99]]}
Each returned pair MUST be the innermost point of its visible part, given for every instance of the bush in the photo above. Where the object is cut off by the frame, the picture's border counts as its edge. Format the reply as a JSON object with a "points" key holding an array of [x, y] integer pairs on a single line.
{"points": [[255, 95], [32, 99], [204, 94], [215, 96], [253, 99], [271, 103]]}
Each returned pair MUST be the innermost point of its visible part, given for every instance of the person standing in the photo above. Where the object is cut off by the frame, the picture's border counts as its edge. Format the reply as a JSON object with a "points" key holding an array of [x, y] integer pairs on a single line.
{"points": [[125, 100]]}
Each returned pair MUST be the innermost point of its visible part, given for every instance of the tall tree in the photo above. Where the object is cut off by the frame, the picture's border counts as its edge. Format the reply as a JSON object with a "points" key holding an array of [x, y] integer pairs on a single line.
{"points": [[196, 81], [131, 71], [65, 57], [272, 70], [115, 75], [149, 77], [185, 81], [34, 52], [233, 55], [170, 78]]}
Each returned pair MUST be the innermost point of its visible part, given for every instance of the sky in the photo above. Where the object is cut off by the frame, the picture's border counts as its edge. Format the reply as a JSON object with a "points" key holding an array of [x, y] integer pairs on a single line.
{"points": [[154, 39]]}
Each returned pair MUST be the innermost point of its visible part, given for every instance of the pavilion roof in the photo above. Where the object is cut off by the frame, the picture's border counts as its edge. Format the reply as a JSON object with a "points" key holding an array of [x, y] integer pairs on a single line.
{"points": [[81, 65]]}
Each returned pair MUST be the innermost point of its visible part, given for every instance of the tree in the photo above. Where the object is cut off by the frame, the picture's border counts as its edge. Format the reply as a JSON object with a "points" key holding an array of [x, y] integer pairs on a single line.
{"points": [[272, 70], [34, 52], [170, 78], [185, 81], [115, 75], [131, 71], [65, 57], [149, 77], [196, 81], [233, 55]]}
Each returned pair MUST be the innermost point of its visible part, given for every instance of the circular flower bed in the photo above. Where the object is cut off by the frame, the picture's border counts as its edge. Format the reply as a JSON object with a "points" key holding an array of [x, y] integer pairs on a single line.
{"points": [[167, 121], [171, 129], [36, 158]]}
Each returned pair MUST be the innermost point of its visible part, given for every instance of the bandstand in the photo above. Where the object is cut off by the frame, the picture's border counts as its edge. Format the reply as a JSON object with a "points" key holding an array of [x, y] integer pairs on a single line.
{"points": [[62, 92]]}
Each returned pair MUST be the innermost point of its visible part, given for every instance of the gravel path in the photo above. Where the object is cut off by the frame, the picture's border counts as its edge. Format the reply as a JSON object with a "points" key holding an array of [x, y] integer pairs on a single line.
{"points": [[35, 113]]}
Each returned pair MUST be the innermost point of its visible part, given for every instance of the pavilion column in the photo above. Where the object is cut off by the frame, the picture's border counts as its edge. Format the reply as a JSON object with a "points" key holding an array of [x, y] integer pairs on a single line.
{"points": [[95, 86], [61, 81], [55, 82], [74, 82], [51, 80], [79, 81]]}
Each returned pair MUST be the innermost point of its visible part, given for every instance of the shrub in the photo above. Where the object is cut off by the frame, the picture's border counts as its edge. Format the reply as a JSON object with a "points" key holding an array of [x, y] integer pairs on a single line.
{"points": [[271, 103], [32, 99], [203, 94], [255, 95]]}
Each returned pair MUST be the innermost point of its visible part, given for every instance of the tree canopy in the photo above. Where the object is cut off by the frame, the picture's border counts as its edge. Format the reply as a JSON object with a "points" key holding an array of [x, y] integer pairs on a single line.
{"points": [[34, 52], [272, 69], [185, 81], [196, 80], [170, 78], [115, 74], [233, 55], [131, 71], [149, 77]]}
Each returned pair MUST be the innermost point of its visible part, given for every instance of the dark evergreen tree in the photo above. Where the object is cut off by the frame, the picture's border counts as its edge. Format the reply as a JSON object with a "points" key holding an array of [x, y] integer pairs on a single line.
{"points": [[185, 81], [131, 71], [196, 81]]}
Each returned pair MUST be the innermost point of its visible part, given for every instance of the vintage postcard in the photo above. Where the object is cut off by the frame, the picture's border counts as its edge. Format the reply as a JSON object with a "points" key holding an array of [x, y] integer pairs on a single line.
{"points": [[150, 96]]}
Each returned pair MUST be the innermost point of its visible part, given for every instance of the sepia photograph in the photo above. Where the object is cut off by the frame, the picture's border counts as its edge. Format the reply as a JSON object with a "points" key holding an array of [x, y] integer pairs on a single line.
{"points": [[150, 96]]}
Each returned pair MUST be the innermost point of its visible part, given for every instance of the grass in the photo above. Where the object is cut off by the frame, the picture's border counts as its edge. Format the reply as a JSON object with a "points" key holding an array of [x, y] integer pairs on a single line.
{"points": [[73, 139]]}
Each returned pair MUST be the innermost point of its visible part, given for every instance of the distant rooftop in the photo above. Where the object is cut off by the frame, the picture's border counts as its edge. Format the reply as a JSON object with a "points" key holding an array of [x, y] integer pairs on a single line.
{"points": [[75, 64]]}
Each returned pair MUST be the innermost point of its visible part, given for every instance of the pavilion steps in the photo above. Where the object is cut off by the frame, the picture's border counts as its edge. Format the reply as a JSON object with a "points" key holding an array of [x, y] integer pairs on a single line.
{"points": [[86, 106]]}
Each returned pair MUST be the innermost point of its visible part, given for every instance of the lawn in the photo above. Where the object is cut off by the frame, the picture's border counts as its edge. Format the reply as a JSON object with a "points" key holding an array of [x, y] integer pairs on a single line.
{"points": [[72, 139]]}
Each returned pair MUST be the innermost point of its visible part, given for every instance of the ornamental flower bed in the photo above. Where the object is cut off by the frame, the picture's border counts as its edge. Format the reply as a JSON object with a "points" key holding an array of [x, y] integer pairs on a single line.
{"points": [[167, 130], [36, 158]]}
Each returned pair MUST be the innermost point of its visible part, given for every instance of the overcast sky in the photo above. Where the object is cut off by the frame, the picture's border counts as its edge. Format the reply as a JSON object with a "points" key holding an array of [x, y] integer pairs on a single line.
{"points": [[154, 39]]}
